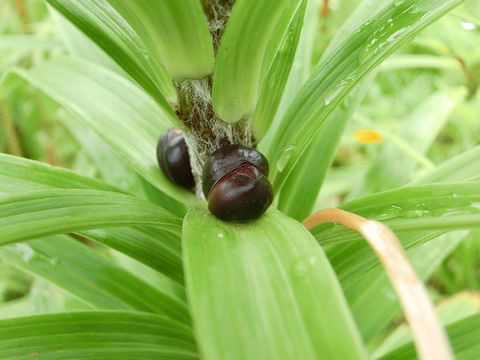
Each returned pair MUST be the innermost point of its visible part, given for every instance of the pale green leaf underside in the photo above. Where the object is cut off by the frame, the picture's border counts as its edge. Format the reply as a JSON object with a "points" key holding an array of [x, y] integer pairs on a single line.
{"points": [[177, 32], [117, 110], [463, 167], [113, 169], [80, 45], [104, 25], [19, 175], [337, 76], [371, 296], [96, 334], [464, 337], [95, 279], [153, 247], [251, 27], [451, 310], [27, 42], [264, 289], [40, 213]]}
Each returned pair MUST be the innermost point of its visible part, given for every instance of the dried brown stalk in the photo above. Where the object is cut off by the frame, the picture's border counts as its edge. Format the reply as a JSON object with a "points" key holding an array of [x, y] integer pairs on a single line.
{"points": [[430, 339]]}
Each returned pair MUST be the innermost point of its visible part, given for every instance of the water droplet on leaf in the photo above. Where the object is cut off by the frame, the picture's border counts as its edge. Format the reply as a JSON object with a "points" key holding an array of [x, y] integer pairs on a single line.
{"points": [[285, 156]]}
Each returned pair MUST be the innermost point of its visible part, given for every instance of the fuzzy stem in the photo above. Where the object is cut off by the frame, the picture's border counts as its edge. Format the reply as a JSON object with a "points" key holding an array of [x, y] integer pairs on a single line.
{"points": [[430, 339]]}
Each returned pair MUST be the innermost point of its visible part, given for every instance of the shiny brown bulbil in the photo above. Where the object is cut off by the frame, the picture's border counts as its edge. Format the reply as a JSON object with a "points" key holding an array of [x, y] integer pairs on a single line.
{"points": [[174, 160], [235, 183]]}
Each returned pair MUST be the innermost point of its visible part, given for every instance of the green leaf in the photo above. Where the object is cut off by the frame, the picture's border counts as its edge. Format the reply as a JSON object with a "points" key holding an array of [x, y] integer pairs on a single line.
{"points": [[278, 73], [394, 168], [449, 311], [179, 34], [464, 338], [113, 169], [95, 279], [420, 61], [299, 194], [338, 75], [19, 175], [264, 289], [433, 207], [40, 213], [372, 298], [361, 14], [106, 334], [153, 247], [252, 27], [158, 249], [102, 23], [463, 167], [27, 42], [80, 45], [300, 70], [126, 118]]}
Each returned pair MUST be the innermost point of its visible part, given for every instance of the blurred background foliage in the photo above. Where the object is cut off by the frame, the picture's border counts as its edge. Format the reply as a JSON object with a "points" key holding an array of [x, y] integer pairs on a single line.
{"points": [[422, 108]]}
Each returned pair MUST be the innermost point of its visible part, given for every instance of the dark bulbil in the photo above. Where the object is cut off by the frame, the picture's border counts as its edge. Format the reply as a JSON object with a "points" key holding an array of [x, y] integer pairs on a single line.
{"points": [[173, 158], [235, 183]]}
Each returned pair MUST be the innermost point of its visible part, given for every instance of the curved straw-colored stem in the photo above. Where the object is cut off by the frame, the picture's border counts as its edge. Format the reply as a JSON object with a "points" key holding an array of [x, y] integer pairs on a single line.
{"points": [[430, 339]]}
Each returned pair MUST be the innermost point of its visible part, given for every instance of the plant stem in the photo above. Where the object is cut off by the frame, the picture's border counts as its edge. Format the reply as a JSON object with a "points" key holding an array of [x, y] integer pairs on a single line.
{"points": [[430, 339]]}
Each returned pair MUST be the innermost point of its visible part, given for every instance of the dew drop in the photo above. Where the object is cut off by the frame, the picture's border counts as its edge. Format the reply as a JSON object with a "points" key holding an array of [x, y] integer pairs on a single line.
{"points": [[392, 211], [218, 231], [54, 262], [338, 89], [475, 205], [25, 251], [421, 213], [468, 25], [285, 156], [301, 266]]}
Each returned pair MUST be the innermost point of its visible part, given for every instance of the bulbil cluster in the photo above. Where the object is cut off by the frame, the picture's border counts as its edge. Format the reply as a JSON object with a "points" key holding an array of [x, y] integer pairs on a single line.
{"points": [[235, 177]]}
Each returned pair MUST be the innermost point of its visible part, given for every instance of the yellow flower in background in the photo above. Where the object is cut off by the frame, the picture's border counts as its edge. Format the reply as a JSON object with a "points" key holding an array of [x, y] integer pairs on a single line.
{"points": [[368, 136]]}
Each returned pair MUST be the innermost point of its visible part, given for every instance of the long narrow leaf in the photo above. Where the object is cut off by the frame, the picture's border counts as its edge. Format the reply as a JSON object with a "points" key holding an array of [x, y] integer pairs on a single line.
{"points": [[393, 168], [278, 73], [41, 213], [94, 278], [449, 311], [333, 80], [158, 249], [464, 337], [433, 207], [80, 45], [20, 175], [115, 170], [102, 23], [372, 298], [179, 34], [251, 27], [117, 110], [464, 167], [264, 290], [152, 246], [298, 196], [101, 334]]}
